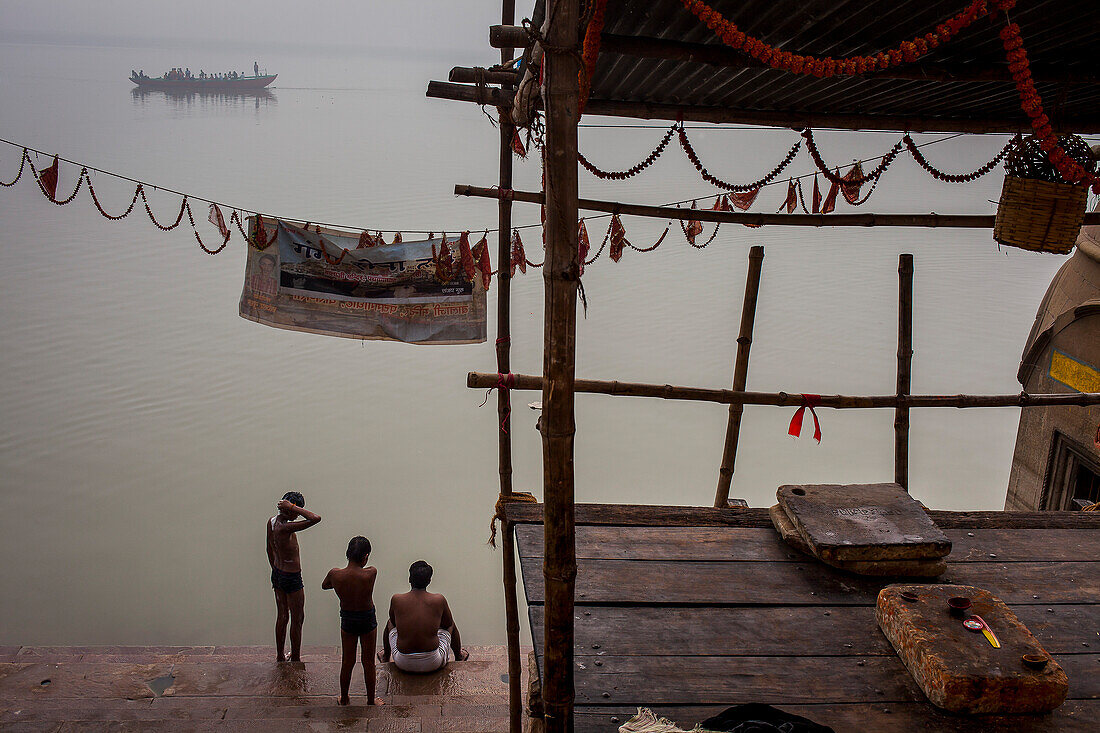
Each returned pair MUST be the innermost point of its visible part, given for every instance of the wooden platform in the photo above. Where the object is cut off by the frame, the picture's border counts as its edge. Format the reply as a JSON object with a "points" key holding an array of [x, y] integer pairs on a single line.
{"points": [[211, 688], [689, 611]]}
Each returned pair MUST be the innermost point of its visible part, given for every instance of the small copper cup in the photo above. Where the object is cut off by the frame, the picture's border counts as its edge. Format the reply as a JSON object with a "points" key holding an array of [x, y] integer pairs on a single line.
{"points": [[958, 605], [1035, 661]]}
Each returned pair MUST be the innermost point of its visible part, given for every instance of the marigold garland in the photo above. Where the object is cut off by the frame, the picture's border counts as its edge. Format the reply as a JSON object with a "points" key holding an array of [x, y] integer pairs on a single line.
{"points": [[1032, 105], [907, 51], [590, 51], [694, 158], [634, 169]]}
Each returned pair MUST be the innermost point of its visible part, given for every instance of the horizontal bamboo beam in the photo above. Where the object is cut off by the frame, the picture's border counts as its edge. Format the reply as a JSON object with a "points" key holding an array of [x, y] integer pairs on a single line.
{"points": [[964, 221], [800, 120], [482, 380], [770, 118], [476, 74], [466, 93], [716, 54]]}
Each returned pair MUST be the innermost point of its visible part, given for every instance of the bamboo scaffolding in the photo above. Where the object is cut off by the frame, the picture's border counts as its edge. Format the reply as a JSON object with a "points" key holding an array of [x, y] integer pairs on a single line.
{"points": [[561, 273], [504, 406], [905, 367], [481, 380], [964, 221], [740, 376]]}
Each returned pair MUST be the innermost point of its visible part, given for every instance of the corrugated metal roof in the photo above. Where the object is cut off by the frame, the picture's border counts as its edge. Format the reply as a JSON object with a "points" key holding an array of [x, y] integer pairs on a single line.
{"points": [[1062, 38]]}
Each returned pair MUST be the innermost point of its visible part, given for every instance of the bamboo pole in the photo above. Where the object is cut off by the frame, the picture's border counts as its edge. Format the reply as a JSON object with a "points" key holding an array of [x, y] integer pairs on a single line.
{"points": [[905, 369], [740, 376], [965, 221], [504, 406], [481, 380], [478, 75], [560, 273]]}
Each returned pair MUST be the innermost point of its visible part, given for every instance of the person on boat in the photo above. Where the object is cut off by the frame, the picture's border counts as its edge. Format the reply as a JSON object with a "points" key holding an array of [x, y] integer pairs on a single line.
{"points": [[256, 68], [420, 632], [286, 570], [354, 586]]}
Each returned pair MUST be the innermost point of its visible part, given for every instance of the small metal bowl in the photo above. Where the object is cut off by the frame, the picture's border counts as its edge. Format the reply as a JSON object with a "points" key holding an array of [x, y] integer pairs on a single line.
{"points": [[1035, 661], [959, 604]]}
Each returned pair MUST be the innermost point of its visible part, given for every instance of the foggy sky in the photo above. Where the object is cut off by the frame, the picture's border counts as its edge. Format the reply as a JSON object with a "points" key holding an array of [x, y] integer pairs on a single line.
{"points": [[426, 25]]}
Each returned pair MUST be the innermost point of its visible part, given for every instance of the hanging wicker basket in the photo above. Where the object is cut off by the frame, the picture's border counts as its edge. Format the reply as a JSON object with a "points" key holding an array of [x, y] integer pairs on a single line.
{"points": [[1039, 215], [1038, 210]]}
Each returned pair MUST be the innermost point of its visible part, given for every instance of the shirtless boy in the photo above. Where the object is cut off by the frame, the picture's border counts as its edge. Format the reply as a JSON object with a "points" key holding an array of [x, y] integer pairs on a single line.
{"points": [[354, 586], [420, 631], [286, 570]]}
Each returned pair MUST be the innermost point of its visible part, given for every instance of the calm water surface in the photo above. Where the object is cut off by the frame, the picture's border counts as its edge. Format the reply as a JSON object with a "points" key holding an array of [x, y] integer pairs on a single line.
{"points": [[147, 430]]}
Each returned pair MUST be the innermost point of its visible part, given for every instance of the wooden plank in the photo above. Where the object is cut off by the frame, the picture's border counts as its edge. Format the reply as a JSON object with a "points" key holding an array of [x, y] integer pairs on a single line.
{"points": [[774, 680], [1075, 716], [685, 516], [808, 583], [732, 680], [783, 630], [705, 544]]}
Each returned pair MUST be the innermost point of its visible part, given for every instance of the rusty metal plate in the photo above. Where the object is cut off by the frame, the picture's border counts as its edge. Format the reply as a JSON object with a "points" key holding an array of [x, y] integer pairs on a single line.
{"points": [[862, 522], [960, 670]]}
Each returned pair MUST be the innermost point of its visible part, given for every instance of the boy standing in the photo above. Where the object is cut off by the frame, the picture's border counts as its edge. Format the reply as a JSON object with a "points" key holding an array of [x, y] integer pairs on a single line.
{"points": [[354, 586], [286, 571]]}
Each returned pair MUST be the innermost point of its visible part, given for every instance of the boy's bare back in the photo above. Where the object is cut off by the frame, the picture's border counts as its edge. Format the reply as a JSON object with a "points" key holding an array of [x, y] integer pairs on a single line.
{"points": [[354, 587]]}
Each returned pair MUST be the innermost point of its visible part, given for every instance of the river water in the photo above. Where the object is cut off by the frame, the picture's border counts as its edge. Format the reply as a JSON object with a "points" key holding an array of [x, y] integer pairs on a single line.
{"points": [[148, 430]]}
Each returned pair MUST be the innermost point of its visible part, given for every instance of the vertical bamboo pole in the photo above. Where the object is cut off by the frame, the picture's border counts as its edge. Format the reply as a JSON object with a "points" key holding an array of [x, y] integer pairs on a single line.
{"points": [[560, 273], [503, 344], [905, 365], [740, 375]]}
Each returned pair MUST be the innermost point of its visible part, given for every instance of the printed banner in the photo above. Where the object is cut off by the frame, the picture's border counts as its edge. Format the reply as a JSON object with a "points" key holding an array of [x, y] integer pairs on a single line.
{"points": [[317, 280]]}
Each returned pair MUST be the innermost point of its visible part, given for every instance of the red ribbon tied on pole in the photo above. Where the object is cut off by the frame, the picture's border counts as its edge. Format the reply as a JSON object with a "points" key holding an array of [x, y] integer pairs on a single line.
{"points": [[809, 401]]}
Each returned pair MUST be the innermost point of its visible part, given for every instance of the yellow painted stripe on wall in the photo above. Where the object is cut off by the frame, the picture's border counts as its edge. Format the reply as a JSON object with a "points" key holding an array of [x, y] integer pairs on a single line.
{"points": [[1073, 373]]}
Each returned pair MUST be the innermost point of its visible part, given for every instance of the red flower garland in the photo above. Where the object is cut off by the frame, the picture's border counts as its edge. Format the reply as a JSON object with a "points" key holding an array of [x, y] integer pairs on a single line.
{"points": [[907, 51], [590, 52], [1032, 105]]}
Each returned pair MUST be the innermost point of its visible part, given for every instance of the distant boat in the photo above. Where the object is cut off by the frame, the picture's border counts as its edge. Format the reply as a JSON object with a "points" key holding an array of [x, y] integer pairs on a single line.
{"points": [[204, 84]]}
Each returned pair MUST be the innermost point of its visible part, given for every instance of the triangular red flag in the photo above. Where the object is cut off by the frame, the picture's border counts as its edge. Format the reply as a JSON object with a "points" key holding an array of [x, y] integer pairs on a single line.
{"points": [[851, 190], [481, 262], [817, 197], [466, 257], [583, 245], [693, 229], [517, 145], [617, 237], [48, 179], [745, 199], [792, 198], [218, 220], [830, 198], [519, 257], [444, 264]]}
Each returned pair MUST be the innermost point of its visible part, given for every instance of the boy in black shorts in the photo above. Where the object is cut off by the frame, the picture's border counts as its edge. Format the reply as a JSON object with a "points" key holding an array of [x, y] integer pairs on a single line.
{"points": [[286, 571], [354, 585]]}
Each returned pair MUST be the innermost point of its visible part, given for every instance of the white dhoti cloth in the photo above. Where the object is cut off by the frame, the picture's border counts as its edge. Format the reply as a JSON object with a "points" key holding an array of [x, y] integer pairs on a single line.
{"points": [[421, 661]]}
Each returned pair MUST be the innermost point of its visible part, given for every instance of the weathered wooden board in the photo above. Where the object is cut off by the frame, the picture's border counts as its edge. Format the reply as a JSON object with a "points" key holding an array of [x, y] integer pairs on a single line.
{"points": [[782, 630], [1075, 716], [764, 545], [805, 583], [684, 516], [960, 670], [862, 522], [734, 680]]}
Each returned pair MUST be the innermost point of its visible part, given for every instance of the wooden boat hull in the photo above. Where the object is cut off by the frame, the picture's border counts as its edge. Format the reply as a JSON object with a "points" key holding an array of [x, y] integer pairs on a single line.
{"points": [[205, 85]]}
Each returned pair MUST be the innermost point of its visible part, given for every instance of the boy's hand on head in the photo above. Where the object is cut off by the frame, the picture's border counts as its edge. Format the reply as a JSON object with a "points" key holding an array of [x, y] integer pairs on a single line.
{"points": [[285, 505]]}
